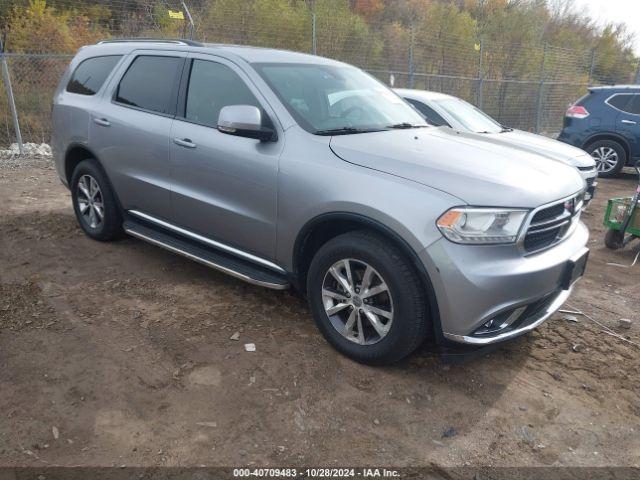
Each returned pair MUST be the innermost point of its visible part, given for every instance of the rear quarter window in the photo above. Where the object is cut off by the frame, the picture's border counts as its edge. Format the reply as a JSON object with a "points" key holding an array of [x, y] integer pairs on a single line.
{"points": [[89, 76], [620, 101]]}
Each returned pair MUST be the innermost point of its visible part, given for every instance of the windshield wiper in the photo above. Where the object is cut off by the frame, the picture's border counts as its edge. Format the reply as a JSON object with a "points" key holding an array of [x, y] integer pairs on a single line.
{"points": [[405, 125], [345, 131], [506, 129]]}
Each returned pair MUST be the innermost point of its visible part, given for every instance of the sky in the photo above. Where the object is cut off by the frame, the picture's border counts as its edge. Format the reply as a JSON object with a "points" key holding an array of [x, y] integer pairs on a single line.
{"points": [[626, 11]]}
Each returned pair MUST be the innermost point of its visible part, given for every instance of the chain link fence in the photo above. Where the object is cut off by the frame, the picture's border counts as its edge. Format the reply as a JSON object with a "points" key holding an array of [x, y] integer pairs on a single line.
{"points": [[34, 78], [523, 86]]}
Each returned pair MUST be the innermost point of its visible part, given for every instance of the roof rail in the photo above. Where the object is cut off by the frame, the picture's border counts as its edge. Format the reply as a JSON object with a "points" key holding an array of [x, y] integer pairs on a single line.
{"points": [[175, 41], [614, 87]]}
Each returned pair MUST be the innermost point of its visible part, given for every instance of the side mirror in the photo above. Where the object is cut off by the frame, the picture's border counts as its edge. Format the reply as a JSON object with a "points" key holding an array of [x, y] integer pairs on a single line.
{"points": [[244, 121]]}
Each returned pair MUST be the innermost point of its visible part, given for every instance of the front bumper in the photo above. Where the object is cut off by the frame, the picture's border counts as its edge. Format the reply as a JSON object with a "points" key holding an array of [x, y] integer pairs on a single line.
{"points": [[590, 177], [529, 323], [590, 193], [476, 284]]}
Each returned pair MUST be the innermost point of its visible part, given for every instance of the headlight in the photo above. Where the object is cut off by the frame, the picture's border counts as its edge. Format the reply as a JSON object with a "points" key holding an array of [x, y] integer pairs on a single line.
{"points": [[482, 226]]}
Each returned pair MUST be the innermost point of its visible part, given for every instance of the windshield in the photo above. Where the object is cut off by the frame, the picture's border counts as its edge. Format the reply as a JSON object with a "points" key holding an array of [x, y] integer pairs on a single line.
{"points": [[327, 99], [470, 117]]}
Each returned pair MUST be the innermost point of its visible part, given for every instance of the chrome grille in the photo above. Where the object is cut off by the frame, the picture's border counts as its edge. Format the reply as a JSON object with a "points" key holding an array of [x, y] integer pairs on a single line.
{"points": [[550, 224], [548, 213]]}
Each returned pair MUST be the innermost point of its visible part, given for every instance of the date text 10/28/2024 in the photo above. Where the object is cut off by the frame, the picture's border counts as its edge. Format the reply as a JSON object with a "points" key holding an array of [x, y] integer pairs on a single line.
{"points": [[315, 473]]}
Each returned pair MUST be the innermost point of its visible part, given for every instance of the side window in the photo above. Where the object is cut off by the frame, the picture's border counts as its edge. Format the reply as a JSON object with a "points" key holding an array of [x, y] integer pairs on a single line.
{"points": [[429, 113], [634, 106], [149, 83], [620, 101], [89, 76], [211, 87]]}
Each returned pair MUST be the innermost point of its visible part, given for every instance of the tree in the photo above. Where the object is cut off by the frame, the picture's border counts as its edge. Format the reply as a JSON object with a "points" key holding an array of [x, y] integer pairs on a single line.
{"points": [[38, 28], [614, 58], [368, 9], [344, 35], [275, 23]]}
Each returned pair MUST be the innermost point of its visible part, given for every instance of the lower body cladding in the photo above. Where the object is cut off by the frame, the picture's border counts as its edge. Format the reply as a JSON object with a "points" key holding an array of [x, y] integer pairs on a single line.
{"points": [[487, 294]]}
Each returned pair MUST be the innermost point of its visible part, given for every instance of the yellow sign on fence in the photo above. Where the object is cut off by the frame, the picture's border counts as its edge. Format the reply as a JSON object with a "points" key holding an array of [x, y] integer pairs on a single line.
{"points": [[176, 15]]}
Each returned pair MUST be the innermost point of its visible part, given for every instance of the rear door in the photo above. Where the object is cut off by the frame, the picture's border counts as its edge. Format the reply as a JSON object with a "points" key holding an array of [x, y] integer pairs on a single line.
{"points": [[628, 123], [73, 102], [224, 187], [130, 129]]}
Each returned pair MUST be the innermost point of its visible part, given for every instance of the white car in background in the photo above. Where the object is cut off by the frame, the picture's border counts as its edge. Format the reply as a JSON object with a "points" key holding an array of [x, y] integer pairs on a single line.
{"points": [[446, 110]]}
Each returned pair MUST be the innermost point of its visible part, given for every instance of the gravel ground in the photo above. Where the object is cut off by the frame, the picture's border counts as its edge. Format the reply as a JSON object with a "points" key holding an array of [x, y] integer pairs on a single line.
{"points": [[121, 353]]}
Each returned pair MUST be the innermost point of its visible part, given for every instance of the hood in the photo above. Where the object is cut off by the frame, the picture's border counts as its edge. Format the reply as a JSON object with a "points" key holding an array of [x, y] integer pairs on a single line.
{"points": [[548, 147], [473, 170]]}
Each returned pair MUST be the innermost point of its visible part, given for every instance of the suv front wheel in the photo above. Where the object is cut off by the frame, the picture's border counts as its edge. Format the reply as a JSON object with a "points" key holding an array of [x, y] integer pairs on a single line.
{"points": [[609, 155], [366, 298]]}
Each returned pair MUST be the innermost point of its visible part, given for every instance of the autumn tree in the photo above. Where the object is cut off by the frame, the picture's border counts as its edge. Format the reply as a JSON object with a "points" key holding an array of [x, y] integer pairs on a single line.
{"points": [[39, 28], [275, 23]]}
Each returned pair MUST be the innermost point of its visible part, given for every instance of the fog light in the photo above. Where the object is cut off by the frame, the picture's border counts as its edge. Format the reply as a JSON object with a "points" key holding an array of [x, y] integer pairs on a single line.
{"points": [[500, 322]]}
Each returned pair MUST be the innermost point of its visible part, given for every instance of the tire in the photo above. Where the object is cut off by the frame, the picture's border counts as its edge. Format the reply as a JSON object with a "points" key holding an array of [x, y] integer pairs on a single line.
{"points": [[604, 151], [614, 239], [404, 298], [103, 228]]}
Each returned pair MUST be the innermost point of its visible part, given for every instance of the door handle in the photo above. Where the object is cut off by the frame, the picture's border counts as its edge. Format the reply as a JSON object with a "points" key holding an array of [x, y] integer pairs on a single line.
{"points": [[628, 122], [184, 142], [103, 122]]}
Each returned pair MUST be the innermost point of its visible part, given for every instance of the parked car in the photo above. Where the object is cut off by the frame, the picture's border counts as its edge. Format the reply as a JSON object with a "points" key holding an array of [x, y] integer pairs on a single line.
{"points": [[285, 169], [441, 109], [606, 123]]}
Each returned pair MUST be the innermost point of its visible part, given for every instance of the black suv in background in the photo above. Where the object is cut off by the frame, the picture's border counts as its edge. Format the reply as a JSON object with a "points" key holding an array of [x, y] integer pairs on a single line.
{"points": [[606, 123]]}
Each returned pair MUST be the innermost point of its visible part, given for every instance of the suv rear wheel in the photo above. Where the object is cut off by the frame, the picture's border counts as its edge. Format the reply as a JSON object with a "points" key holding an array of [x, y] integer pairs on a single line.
{"points": [[366, 298], [609, 155], [94, 203]]}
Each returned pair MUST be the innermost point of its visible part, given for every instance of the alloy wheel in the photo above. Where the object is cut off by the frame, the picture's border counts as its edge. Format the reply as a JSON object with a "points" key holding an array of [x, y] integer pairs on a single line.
{"points": [[606, 159], [357, 301], [90, 201]]}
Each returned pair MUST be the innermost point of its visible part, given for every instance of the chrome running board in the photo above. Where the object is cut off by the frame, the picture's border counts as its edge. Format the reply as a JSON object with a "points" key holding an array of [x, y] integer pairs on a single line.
{"points": [[216, 259], [212, 243]]}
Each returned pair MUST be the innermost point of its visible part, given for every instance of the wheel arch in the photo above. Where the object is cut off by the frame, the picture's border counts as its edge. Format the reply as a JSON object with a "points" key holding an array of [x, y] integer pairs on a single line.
{"points": [[317, 231], [77, 152], [596, 137]]}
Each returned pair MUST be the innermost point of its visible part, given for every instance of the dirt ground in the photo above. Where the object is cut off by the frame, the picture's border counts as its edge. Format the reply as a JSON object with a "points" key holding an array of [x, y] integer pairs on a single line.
{"points": [[121, 354]]}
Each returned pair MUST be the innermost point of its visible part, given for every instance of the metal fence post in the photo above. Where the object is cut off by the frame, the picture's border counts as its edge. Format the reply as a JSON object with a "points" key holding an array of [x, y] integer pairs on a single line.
{"points": [[479, 93], [411, 80], [186, 10], [592, 66], [540, 91], [539, 107], [314, 38], [12, 102]]}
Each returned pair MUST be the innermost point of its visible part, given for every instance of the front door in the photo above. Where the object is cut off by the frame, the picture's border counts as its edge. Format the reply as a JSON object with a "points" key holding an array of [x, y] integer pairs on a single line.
{"points": [[224, 187]]}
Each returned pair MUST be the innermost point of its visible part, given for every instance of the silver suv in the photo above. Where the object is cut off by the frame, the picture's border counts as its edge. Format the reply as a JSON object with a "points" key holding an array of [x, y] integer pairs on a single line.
{"points": [[285, 169]]}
